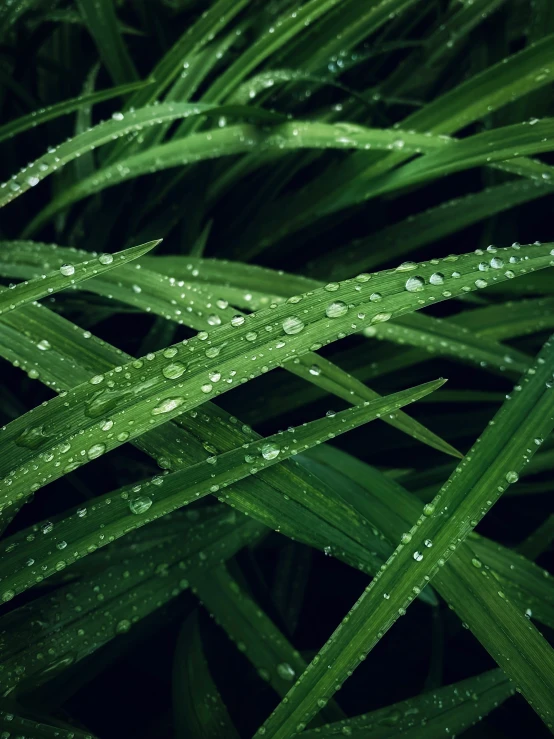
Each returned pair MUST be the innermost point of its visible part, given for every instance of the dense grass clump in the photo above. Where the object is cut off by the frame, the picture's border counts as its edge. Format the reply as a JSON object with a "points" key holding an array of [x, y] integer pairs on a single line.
{"points": [[252, 228]]}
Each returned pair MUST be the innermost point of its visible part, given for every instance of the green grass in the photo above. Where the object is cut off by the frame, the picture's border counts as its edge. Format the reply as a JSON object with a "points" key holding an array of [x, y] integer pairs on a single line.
{"points": [[233, 232]]}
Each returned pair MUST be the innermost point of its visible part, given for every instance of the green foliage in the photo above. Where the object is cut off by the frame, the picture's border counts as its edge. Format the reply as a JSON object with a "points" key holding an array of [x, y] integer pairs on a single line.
{"points": [[183, 402]]}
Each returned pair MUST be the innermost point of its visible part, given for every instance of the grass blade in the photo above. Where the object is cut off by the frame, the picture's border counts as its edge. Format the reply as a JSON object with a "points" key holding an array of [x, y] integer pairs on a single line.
{"points": [[198, 708], [155, 393], [101, 20], [491, 466], [448, 710], [66, 276], [120, 512]]}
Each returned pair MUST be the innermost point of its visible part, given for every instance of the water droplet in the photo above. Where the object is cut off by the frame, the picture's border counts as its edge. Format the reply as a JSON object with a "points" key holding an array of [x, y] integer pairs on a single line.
{"points": [[44, 345], [436, 278], [270, 451], [292, 325], [415, 284], [237, 320], [96, 450], [285, 671], [174, 370], [315, 370], [418, 556], [67, 270], [167, 405], [105, 259], [140, 505], [336, 309], [32, 437], [123, 626], [512, 476]]}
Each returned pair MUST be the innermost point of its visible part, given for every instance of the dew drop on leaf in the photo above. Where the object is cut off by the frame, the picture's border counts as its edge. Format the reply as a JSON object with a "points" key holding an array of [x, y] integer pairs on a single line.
{"points": [[292, 325], [415, 284], [140, 505], [270, 451], [336, 309]]}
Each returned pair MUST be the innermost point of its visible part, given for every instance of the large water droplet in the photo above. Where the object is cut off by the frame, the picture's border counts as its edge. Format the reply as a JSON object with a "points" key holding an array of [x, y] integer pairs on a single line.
{"points": [[140, 505], [167, 405], [67, 270], [415, 284], [270, 451], [292, 325], [336, 309], [96, 450], [285, 671], [174, 370]]}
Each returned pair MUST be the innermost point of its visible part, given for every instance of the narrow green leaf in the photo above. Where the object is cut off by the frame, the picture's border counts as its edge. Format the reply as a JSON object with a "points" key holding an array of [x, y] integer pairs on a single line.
{"points": [[314, 513], [255, 634], [117, 513], [429, 226], [152, 391], [66, 276], [36, 118], [446, 711], [101, 20], [130, 588], [195, 37], [186, 304], [198, 708], [103, 133], [12, 723], [477, 483]]}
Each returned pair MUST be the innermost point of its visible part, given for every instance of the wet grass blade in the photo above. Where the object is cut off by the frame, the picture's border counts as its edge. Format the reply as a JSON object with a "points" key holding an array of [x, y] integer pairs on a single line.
{"points": [[326, 522], [429, 226], [67, 276], [256, 636], [14, 723], [189, 304], [120, 512], [448, 710], [198, 709], [101, 21], [477, 483], [32, 120], [132, 588], [152, 391]]}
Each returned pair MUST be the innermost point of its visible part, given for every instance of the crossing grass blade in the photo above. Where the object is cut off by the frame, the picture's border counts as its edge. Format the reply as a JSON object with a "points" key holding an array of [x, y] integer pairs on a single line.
{"points": [[255, 634], [117, 513], [67, 276], [198, 709], [103, 133], [101, 21], [451, 709], [15, 722], [429, 226], [151, 391], [132, 588], [32, 120], [477, 483], [326, 522], [189, 304]]}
